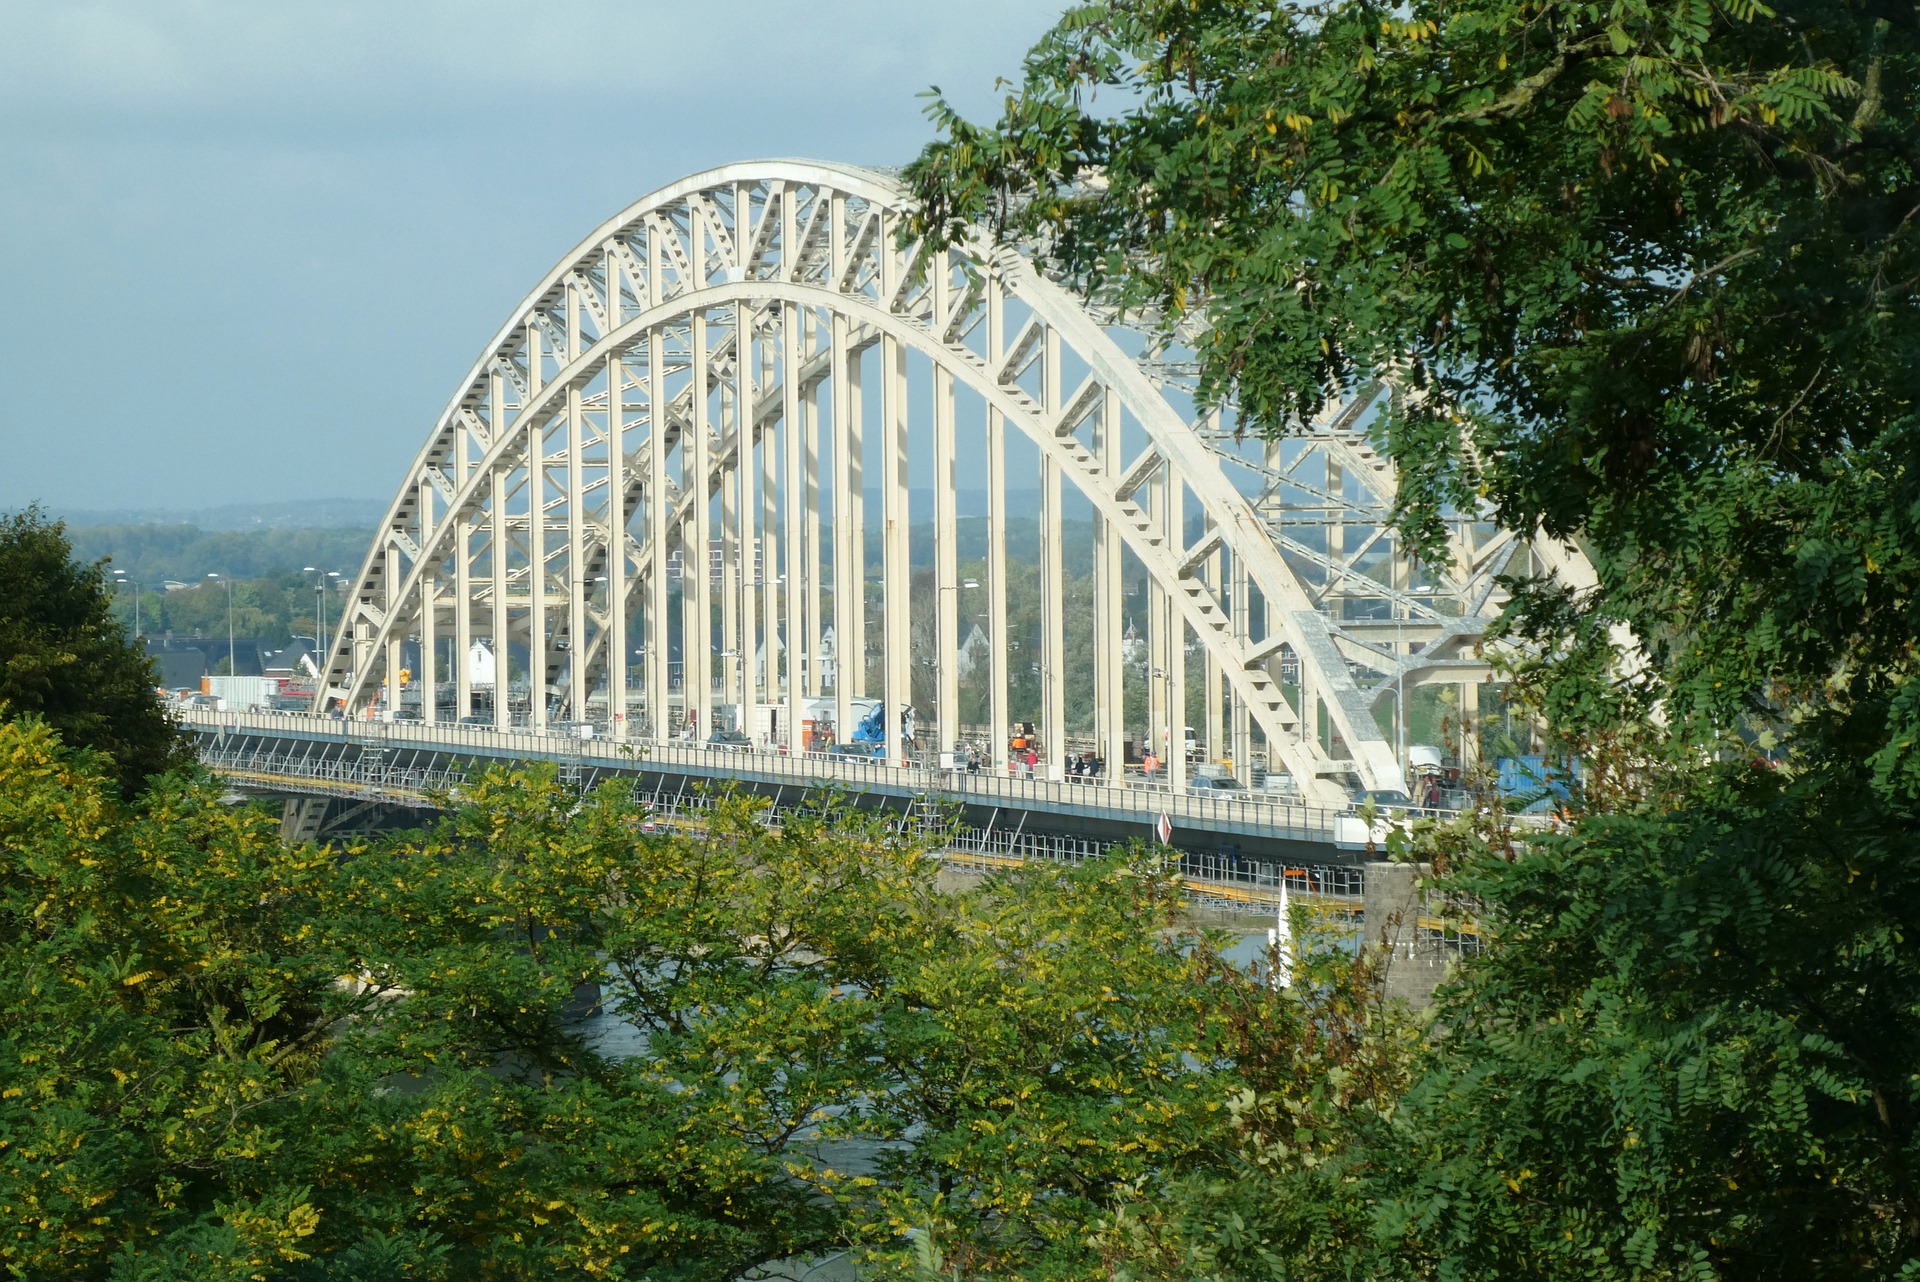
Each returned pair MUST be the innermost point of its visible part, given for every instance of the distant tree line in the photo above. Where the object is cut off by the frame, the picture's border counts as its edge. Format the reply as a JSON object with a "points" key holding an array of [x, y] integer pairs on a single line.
{"points": [[152, 554]]}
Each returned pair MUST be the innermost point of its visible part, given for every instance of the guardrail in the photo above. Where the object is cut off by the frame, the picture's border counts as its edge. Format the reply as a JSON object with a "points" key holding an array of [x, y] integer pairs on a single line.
{"points": [[373, 777], [1121, 801], [357, 779], [1215, 880]]}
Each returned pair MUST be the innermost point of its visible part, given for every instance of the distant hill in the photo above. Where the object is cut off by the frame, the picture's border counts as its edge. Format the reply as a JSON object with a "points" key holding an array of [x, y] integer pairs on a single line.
{"points": [[285, 514], [151, 553], [364, 514], [254, 540]]}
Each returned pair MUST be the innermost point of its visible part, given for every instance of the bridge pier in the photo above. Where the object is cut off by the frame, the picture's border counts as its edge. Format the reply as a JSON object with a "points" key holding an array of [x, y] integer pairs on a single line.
{"points": [[1409, 932], [319, 819]]}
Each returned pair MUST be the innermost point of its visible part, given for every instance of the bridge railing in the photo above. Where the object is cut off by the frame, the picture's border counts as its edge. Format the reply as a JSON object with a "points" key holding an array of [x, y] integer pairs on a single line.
{"points": [[1106, 799], [358, 777], [1217, 878]]}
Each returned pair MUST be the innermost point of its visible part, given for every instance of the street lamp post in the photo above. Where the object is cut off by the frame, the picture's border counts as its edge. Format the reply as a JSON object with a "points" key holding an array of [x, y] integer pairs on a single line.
{"points": [[320, 613], [1399, 696], [120, 579], [1400, 678], [728, 685], [577, 674], [232, 666]]}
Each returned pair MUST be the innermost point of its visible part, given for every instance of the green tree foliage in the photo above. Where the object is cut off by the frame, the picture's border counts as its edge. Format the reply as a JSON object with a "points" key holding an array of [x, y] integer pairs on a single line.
{"points": [[149, 554], [1647, 273], [1720, 997], [1689, 1054], [64, 658], [1645, 277], [273, 609], [273, 599], [230, 1058]]}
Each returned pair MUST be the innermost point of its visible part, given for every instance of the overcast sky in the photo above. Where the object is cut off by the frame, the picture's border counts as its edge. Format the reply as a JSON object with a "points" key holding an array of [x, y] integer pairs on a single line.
{"points": [[248, 248]]}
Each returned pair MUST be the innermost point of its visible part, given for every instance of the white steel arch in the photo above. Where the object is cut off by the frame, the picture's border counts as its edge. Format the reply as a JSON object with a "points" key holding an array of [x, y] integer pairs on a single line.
{"points": [[649, 498]]}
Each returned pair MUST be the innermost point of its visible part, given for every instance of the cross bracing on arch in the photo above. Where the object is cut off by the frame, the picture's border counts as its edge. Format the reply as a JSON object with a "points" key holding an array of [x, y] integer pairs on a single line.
{"points": [[656, 496]]}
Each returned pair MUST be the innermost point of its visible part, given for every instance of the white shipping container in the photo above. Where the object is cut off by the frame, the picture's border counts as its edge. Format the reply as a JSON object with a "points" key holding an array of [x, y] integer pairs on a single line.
{"points": [[243, 694]]}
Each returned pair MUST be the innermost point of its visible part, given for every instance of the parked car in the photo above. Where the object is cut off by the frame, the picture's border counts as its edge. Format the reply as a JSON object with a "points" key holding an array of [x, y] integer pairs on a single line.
{"points": [[866, 751], [1218, 786], [1385, 801], [729, 741]]}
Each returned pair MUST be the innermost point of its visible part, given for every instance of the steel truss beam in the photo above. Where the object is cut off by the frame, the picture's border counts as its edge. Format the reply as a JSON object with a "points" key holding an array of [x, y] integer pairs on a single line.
{"points": [[694, 385]]}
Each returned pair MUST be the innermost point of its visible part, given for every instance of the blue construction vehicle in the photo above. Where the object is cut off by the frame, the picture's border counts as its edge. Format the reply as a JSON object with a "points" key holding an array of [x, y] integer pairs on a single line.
{"points": [[871, 730]]}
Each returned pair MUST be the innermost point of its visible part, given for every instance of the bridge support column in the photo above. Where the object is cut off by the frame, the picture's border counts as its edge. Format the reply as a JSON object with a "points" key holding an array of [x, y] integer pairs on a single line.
{"points": [[577, 582], [849, 648], [537, 662], [796, 485], [1242, 721], [462, 586], [429, 674], [1053, 600], [660, 529], [696, 598], [1212, 726], [394, 650], [1176, 533], [745, 532], [736, 453], [1469, 724], [499, 542], [614, 533], [997, 718], [854, 670], [946, 557], [1159, 739], [768, 652], [1109, 677], [895, 572], [814, 576], [301, 819]]}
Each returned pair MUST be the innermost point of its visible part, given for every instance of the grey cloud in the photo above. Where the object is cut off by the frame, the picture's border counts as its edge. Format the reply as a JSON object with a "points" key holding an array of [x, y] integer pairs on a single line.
{"points": [[237, 62], [295, 224]]}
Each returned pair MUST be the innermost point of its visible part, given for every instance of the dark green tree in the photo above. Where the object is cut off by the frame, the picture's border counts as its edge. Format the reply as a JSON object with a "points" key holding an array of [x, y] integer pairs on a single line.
{"points": [[231, 1058], [1645, 274], [65, 659], [1644, 277]]}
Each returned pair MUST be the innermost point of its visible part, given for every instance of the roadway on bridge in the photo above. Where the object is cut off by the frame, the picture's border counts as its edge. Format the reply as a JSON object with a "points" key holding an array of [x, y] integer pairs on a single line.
{"points": [[406, 761]]}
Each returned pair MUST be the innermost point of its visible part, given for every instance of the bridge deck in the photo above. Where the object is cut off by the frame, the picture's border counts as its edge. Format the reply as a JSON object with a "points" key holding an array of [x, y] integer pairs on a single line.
{"points": [[405, 762], [418, 765]]}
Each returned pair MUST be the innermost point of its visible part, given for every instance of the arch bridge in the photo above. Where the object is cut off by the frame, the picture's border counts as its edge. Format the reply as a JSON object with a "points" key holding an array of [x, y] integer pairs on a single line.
{"points": [[742, 458]]}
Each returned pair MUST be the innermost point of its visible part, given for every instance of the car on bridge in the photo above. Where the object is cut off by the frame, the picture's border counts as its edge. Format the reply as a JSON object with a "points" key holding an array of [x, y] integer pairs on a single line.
{"points": [[729, 741], [1372, 817], [1386, 802], [1218, 786]]}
